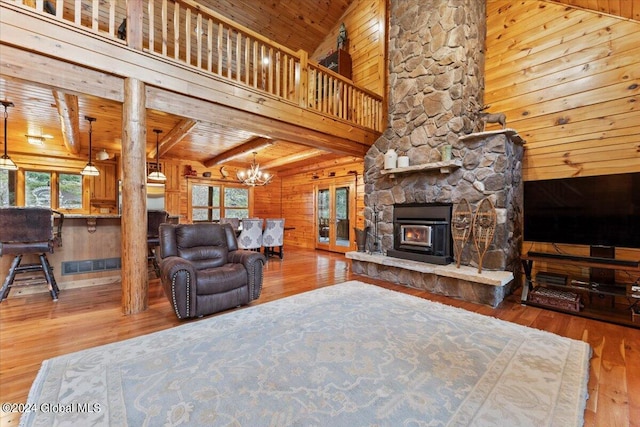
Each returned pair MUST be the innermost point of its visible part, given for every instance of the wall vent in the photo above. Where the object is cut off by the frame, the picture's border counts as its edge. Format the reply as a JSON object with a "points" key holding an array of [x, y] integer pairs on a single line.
{"points": [[90, 266]]}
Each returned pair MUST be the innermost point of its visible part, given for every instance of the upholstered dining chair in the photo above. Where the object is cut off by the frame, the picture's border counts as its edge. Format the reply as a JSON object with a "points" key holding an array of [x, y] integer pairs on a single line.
{"points": [[251, 234], [273, 237], [29, 230], [154, 219]]}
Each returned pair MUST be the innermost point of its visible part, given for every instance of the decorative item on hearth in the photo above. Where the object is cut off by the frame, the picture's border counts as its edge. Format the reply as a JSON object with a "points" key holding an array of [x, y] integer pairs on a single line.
{"points": [[376, 240], [90, 169], [157, 175], [361, 238], [461, 221], [485, 118], [403, 160], [254, 176], [484, 226], [445, 152], [5, 162], [390, 159]]}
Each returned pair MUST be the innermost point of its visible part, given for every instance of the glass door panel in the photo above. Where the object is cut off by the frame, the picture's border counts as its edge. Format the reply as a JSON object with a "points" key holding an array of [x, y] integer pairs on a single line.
{"points": [[342, 216], [334, 213], [323, 216]]}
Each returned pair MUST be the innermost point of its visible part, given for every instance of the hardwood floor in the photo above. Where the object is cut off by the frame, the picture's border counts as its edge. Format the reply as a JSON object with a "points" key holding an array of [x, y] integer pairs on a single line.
{"points": [[33, 328]]}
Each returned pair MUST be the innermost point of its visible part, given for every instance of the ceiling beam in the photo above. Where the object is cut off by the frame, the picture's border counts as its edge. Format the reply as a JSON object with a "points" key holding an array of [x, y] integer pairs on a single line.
{"points": [[321, 165], [254, 144], [49, 72], [173, 137], [68, 112], [285, 160]]}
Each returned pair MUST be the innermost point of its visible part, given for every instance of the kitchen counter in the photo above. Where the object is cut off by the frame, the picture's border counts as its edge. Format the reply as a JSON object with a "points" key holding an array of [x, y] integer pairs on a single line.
{"points": [[85, 216]]}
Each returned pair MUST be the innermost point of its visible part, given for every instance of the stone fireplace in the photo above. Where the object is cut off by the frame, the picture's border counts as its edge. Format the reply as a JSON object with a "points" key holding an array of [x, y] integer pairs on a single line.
{"points": [[436, 76]]}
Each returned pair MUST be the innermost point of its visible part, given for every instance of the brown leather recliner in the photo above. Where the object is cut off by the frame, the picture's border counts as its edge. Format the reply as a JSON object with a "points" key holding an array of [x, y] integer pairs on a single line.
{"points": [[203, 271]]}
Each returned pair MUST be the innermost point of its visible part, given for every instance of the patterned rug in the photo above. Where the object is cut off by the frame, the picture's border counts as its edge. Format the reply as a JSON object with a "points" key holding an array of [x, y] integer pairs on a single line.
{"points": [[346, 355]]}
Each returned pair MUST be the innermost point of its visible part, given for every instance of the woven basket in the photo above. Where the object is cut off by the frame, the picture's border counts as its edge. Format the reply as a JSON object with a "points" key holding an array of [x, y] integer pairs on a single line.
{"points": [[555, 298]]}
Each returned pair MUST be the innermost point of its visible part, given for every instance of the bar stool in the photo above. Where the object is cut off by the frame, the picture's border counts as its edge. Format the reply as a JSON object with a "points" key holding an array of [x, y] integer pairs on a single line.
{"points": [[29, 231], [154, 219]]}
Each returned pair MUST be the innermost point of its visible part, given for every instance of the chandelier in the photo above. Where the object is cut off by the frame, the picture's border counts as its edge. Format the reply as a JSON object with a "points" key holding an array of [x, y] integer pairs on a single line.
{"points": [[254, 176]]}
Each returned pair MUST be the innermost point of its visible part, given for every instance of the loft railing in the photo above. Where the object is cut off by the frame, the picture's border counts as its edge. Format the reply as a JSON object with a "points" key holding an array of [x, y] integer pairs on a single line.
{"points": [[200, 38]]}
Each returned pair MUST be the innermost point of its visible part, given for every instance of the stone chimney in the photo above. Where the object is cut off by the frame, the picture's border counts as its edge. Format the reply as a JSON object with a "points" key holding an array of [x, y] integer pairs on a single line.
{"points": [[436, 79]]}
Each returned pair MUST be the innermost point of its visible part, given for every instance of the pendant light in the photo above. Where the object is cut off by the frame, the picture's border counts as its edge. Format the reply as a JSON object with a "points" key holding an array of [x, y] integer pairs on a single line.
{"points": [[90, 169], [157, 175], [5, 161]]}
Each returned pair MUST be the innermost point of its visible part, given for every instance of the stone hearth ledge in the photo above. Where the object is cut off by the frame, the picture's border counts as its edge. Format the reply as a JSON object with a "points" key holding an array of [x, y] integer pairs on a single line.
{"points": [[465, 283]]}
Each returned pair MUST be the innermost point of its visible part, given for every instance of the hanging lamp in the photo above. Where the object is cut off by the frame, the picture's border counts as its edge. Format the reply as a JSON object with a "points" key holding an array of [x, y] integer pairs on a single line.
{"points": [[156, 175], [254, 176], [5, 161], [90, 169]]}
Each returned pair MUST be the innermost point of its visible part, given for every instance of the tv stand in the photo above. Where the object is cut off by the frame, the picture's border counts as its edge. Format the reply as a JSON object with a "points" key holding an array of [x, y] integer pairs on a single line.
{"points": [[594, 298], [584, 260]]}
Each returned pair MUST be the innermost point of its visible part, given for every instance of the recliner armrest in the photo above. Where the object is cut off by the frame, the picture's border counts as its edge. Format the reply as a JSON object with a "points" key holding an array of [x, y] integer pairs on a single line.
{"points": [[178, 277], [253, 262]]}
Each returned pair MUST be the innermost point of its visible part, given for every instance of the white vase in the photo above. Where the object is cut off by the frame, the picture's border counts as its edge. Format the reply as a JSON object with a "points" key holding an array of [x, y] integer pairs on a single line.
{"points": [[390, 159], [403, 161]]}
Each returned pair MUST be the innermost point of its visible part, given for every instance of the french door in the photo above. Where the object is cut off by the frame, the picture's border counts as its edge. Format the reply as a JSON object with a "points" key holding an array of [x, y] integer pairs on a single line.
{"points": [[335, 215]]}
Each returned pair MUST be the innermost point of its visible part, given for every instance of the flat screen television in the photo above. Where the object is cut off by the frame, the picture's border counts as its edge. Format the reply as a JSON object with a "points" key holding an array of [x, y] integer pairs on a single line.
{"points": [[596, 210]]}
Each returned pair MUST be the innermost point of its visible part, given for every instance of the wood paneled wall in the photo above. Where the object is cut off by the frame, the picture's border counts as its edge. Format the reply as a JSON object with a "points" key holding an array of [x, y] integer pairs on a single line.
{"points": [[293, 199], [267, 200], [568, 81], [365, 21]]}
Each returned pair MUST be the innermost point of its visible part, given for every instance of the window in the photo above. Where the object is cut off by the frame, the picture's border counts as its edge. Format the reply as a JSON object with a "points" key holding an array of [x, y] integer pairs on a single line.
{"points": [[69, 191], [37, 189], [7, 188], [212, 202], [205, 203], [236, 202], [40, 189]]}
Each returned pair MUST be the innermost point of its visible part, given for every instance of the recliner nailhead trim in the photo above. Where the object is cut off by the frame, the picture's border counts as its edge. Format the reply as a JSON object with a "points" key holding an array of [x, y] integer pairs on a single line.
{"points": [[173, 292]]}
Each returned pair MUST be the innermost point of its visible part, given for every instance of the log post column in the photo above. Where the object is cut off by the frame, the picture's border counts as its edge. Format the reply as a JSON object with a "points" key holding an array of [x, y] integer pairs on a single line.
{"points": [[135, 279]]}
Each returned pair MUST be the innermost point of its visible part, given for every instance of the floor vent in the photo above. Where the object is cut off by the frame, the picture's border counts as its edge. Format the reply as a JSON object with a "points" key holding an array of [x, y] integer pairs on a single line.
{"points": [[90, 266]]}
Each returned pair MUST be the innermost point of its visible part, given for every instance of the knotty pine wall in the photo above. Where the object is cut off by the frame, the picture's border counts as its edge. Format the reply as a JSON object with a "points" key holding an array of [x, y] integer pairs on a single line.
{"points": [[568, 81], [365, 21], [296, 204]]}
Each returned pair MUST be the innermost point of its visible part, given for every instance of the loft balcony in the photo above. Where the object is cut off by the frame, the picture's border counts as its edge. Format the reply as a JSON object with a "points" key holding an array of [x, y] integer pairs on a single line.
{"points": [[195, 63]]}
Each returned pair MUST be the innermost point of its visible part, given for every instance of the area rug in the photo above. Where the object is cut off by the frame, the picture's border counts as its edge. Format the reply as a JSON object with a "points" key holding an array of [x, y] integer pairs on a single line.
{"points": [[351, 354]]}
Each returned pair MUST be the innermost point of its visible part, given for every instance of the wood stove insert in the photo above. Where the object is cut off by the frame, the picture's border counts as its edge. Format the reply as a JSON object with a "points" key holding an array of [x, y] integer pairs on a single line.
{"points": [[422, 232]]}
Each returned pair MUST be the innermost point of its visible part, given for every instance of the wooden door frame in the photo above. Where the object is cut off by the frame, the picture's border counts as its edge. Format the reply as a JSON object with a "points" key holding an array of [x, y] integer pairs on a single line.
{"points": [[332, 184]]}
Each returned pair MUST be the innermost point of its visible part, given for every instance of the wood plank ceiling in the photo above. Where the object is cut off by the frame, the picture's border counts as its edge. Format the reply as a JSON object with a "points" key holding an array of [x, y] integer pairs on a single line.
{"points": [[297, 24]]}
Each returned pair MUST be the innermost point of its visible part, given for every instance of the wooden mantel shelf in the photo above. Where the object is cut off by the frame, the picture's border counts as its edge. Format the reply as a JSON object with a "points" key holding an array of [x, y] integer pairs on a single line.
{"points": [[444, 166], [512, 134]]}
